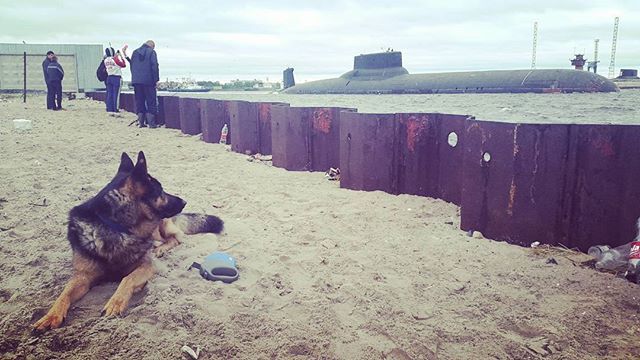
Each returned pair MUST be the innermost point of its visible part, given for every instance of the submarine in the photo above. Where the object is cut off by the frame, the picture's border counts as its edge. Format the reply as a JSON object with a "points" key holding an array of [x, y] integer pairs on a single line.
{"points": [[383, 73]]}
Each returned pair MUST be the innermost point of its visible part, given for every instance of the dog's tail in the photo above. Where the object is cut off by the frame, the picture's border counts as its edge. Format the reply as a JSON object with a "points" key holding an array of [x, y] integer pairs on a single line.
{"points": [[198, 223]]}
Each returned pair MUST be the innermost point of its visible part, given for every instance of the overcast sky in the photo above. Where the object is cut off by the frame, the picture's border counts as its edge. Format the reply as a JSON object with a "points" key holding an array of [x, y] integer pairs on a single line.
{"points": [[223, 40]]}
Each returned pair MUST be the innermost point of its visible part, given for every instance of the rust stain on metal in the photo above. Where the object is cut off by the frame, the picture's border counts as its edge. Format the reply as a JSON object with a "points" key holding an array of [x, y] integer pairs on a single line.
{"points": [[483, 133], [534, 172], [604, 145], [322, 120], [516, 147], [415, 127], [264, 110], [484, 137], [512, 197]]}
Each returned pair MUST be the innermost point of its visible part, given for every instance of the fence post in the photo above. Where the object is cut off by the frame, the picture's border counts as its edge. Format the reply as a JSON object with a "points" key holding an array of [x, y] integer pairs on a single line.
{"points": [[24, 88]]}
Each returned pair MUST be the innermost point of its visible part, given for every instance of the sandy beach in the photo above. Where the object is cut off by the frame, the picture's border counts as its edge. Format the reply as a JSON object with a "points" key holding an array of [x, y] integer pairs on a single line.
{"points": [[325, 273]]}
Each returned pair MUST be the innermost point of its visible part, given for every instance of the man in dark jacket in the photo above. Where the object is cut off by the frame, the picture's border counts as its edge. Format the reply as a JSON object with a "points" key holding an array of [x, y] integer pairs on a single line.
{"points": [[55, 74], [45, 65], [145, 75]]}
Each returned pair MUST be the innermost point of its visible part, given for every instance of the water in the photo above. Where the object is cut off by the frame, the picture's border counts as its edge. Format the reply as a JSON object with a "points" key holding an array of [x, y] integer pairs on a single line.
{"points": [[577, 108]]}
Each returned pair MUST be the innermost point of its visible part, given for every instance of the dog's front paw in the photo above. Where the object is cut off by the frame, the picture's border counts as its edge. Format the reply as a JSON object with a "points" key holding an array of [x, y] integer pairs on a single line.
{"points": [[52, 320], [160, 251], [115, 306]]}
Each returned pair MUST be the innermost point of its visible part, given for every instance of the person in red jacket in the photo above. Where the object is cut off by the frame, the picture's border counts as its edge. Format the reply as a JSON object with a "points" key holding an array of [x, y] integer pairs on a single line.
{"points": [[114, 63]]}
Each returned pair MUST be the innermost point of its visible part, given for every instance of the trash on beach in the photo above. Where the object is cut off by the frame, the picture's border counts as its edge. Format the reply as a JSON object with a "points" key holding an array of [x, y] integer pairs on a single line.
{"points": [[633, 268], [535, 244], [189, 351], [22, 124], [552, 261], [333, 174], [615, 259], [260, 157]]}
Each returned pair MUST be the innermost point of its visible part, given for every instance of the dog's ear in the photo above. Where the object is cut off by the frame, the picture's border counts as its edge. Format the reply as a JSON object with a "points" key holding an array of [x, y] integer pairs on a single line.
{"points": [[140, 170], [126, 164]]}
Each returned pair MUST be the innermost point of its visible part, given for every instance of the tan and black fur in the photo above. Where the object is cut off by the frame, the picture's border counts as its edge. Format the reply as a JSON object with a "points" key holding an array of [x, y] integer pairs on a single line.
{"points": [[113, 233]]}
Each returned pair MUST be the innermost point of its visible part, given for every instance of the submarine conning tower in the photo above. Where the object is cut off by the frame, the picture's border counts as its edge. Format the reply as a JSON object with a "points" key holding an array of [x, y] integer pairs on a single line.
{"points": [[376, 66]]}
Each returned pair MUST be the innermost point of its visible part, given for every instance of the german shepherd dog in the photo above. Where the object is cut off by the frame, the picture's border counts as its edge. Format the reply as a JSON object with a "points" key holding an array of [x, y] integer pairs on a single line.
{"points": [[112, 236]]}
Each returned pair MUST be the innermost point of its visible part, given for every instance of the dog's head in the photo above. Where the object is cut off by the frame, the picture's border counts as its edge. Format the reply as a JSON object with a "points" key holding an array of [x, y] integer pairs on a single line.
{"points": [[135, 189]]}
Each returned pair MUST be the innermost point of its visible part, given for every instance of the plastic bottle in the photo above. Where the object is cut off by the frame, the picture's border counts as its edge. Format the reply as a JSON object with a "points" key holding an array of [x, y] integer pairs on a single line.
{"points": [[223, 134], [633, 268], [611, 259]]}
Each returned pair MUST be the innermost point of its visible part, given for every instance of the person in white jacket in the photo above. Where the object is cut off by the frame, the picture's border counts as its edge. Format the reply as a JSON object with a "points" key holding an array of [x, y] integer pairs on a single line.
{"points": [[114, 63]]}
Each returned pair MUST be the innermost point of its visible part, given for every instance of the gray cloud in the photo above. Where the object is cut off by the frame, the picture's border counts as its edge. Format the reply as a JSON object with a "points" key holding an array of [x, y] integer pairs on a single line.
{"points": [[225, 40]]}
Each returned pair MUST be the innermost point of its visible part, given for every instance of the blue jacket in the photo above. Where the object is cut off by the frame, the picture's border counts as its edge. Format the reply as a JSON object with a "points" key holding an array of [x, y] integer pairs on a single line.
{"points": [[144, 66], [54, 71], [45, 65]]}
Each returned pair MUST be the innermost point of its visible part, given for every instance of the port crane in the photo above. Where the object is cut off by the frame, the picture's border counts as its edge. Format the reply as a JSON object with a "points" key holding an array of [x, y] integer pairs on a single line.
{"points": [[612, 63], [594, 64], [535, 45]]}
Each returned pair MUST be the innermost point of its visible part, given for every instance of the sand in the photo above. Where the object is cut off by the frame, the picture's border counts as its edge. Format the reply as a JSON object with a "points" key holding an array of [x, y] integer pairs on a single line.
{"points": [[326, 273]]}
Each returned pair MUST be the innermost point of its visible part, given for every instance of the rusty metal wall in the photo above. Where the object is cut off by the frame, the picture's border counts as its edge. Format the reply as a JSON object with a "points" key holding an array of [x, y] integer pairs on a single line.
{"points": [[451, 145], [605, 204], [213, 115], [367, 152], [416, 152], [306, 138], [324, 133], [171, 107], [190, 116], [574, 185], [558, 184], [420, 160], [288, 139], [252, 126], [99, 95], [244, 122], [518, 194], [160, 114], [264, 127], [128, 102]]}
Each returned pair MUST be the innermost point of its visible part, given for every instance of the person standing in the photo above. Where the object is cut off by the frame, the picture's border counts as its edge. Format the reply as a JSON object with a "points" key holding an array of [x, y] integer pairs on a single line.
{"points": [[55, 74], [45, 66], [145, 76], [114, 64]]}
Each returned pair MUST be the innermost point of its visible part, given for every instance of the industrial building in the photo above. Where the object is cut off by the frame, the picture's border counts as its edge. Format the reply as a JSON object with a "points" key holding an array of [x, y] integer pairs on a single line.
{"points": [[79, 61]]}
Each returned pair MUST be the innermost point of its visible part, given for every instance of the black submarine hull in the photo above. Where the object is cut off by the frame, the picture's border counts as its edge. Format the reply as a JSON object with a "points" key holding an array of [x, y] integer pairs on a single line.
{"points": [[383, 74]]}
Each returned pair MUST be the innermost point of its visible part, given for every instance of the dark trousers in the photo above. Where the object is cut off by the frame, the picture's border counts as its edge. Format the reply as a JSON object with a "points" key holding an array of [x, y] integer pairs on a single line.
{"points": [[113, 87], [50, 94], [146, 101], [56, 91]]}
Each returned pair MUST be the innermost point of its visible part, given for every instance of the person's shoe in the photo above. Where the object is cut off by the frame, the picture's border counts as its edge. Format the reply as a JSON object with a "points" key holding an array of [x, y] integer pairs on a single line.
{"points": [[151, 120], [141, 120]]}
